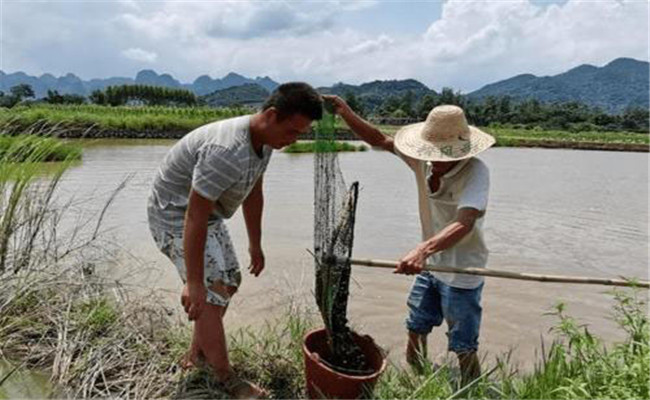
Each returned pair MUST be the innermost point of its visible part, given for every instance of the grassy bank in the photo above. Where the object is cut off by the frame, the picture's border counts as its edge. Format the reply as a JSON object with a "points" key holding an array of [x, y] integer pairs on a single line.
{"points": [[168, 122], [93, 120], [323, 147], [98, 344], [509, 137]]}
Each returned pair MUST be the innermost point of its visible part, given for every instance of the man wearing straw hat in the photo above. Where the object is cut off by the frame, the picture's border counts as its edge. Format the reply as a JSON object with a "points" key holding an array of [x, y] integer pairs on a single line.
{"points": [[453, 189]]}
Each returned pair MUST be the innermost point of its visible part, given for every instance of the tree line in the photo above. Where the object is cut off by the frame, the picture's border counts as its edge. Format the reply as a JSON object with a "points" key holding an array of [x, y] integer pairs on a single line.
{"points": [[504, 110], [143, 94], [110, 96]]}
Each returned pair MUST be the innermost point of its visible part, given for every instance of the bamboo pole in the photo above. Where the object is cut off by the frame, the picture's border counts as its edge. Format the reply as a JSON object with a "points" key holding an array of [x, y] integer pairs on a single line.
{"points": [[511, 275]]}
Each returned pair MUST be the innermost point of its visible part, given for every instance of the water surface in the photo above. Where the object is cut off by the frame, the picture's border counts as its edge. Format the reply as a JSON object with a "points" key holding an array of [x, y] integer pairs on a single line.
{"points": [[550, 212]]}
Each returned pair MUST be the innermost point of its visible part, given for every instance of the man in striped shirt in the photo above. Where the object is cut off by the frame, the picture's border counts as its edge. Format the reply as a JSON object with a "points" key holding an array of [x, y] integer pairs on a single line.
{"points": [[202, 181]]}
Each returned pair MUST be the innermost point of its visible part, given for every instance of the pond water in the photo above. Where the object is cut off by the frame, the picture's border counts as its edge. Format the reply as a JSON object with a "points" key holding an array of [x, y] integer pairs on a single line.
{"points": [[550, 212], [22, 384]]}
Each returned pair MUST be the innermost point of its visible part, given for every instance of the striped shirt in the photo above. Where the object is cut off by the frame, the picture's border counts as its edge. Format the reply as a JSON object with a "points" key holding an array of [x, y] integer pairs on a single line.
{"points": [[218, 161]]}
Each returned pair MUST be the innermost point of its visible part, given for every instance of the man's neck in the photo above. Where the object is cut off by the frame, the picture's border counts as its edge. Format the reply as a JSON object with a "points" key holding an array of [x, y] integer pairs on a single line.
{"points": [[257, 133], [442, 169]]}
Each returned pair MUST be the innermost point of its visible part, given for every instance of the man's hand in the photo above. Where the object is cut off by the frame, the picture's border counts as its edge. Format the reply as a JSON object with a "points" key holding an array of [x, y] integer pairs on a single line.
{"points": [[193, 300], [257, 261], [412, 263], [340, 106]]}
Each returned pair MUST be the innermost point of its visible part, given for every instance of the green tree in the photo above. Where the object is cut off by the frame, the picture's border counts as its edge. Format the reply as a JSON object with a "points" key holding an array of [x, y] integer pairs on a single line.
{"points": [[22, 91], [389, 105], [447, 96], [424, 106], [635, 119], [406, 103], [97, 97], [17, 94], [354, 103], [53, 97]]}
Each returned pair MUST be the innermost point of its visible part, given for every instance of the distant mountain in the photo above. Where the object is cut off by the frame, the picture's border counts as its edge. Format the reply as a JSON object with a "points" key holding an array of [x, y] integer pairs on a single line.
{"points": [[621, 83], [204, 84], [248, 94], [374, 93], [151, 78], [71, 84]]}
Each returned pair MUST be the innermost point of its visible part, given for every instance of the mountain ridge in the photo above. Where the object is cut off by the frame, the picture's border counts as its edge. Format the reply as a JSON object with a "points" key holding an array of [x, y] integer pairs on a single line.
{"points": [[621, 83], [72, 84]]}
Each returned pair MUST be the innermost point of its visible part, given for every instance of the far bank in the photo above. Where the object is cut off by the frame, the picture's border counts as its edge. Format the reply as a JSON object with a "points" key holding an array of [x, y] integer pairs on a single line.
{"points": [[93, 122]]}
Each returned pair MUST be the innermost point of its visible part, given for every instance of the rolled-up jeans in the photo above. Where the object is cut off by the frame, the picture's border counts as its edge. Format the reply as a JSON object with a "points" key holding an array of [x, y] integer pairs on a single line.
{"points": [[431, 301]]}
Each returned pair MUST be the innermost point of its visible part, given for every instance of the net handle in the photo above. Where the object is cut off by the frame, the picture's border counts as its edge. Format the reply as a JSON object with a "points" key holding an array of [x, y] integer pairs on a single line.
{"points": [[510, 275]]}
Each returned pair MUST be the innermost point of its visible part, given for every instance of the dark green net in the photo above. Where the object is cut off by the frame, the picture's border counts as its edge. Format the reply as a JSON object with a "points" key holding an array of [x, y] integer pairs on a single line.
{"points": [[334, 212]]}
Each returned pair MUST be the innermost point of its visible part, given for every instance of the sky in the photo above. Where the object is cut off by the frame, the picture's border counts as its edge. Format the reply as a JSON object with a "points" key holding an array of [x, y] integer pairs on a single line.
{"points": [[455, 43]]}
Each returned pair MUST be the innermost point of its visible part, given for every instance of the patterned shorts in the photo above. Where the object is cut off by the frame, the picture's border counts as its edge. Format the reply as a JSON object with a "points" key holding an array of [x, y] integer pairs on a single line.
{"points": [[220, 262]]}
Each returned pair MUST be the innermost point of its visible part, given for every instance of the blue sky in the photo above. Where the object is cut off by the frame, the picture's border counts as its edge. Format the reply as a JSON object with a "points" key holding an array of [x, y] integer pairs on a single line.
{"points": [[457, 43], [393, 17]]}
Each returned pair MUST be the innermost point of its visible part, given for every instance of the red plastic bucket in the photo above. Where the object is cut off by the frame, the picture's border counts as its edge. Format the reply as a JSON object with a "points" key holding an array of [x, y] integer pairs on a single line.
{"points": [[324, 382]]}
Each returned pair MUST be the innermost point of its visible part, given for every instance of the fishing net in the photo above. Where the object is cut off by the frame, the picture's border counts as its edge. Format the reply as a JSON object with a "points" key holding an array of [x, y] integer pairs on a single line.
{"points": [[334, 211]]}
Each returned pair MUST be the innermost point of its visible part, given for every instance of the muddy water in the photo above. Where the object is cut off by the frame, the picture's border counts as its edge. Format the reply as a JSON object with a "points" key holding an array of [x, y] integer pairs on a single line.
{"points": [[22, 384], [551, 211]]}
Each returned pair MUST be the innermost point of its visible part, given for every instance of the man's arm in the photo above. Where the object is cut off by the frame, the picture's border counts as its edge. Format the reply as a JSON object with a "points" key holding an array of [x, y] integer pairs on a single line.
{"points": [[360, 126], [253, 207], [413, 262], [194, 234]]}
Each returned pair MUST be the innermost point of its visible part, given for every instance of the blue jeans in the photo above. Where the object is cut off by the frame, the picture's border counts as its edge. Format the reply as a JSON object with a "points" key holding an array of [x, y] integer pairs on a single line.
{"points": [[431, 301]]}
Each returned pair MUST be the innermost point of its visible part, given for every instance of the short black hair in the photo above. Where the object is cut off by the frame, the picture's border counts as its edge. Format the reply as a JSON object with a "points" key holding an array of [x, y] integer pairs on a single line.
{"points": [[295, 98]]}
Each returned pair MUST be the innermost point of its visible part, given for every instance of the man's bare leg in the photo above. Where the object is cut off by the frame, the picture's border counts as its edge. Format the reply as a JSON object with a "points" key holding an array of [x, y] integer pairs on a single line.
{"points": [[210, 337], [470, 367], [194, 357], [416, 350]]}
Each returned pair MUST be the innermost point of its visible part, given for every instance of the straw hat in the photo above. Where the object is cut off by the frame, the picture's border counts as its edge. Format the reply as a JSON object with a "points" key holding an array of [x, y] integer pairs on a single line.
{"points": [[444, 136]]}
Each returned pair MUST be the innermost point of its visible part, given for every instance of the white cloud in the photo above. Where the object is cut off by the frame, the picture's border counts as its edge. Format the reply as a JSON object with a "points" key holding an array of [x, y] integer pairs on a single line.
{"points": [[138, 54], [370, 46], [230, 19], [472, 44]]}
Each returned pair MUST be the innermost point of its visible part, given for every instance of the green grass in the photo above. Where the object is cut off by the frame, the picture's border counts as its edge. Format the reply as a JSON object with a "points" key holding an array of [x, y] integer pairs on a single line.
{"points": [[577, 366], [90, 120], [136, 351], [96, 315], [508, 137], [323, 147], [30, 148], [81, 118]]}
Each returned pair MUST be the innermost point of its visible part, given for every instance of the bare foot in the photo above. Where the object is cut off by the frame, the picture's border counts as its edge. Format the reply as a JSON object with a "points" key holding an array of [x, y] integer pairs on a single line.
{"points": [[416, 361], [190, 361], [240, 388]]}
